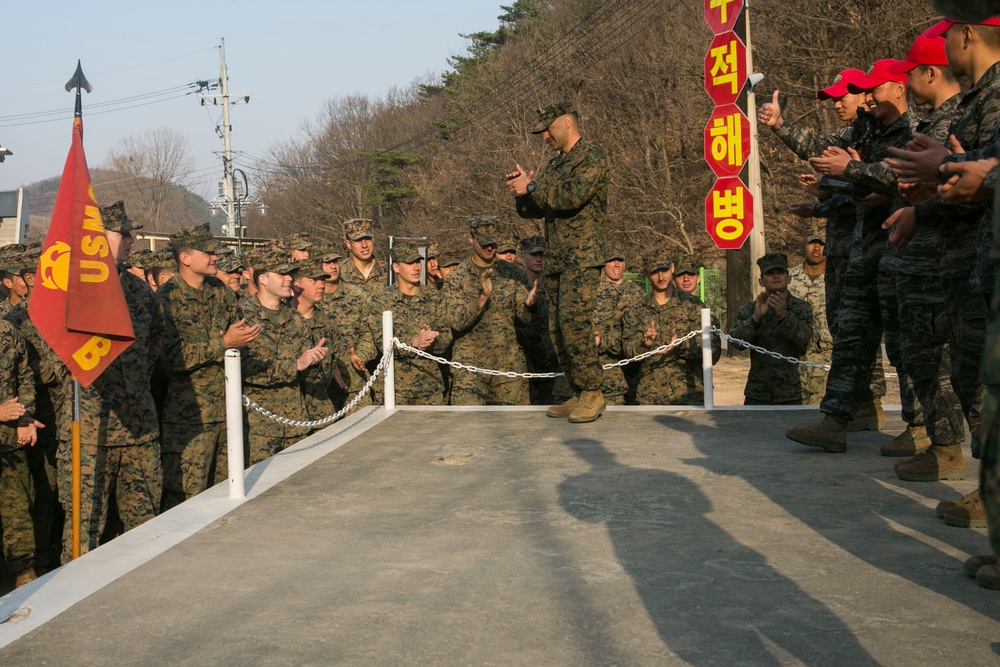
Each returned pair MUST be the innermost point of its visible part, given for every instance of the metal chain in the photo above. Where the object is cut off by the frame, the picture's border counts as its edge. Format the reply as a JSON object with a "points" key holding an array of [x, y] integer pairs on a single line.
{"points": [[335, 416], [762, 350]]}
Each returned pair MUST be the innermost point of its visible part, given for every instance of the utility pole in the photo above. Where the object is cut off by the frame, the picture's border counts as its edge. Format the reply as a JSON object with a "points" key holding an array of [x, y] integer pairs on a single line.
{"points": [[230, 202]]}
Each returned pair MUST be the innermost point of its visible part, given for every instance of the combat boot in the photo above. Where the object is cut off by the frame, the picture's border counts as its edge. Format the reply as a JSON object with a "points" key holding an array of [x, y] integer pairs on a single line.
{"points": [[969, 515], [937, 463], [972, 565], [910, 442], [25, 576], [830, 434], [564, 409], [988, 576], [948, 504], [870, 417], [590, 407]]}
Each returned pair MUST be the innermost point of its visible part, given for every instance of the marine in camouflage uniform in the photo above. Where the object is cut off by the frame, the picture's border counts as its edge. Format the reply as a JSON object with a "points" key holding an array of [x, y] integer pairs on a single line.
{"points": [[318, 319], [119, 432], [17, 485], [271, 375], [665, 379], [418, 380], [357, 231], [812, 289], [607, 319], [347, 303], [570, 194], [774, 381], [484, 328], [195, 452]]}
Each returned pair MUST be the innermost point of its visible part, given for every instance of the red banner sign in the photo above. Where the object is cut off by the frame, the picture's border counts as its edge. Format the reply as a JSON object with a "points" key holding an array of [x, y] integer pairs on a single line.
{"points": [[729, 213], [725, 68], [721, 15], [727, 140]]}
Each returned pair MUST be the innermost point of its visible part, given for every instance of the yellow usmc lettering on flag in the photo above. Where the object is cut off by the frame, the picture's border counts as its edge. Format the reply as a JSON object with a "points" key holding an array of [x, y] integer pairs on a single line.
{"points": [[92, 271]]}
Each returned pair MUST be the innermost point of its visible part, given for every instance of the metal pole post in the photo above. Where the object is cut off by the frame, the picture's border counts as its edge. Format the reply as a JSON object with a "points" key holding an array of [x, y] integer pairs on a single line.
{"points": [[706, 357], [389, 370], [234, 424]]}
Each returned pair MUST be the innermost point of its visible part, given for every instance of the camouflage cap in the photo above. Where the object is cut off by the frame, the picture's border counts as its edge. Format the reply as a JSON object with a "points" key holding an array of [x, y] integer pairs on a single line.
{"points": [[163, 260], [229, 263], [506, 244], [10, 257], [311, 268], [138, 258], [406, 252], [612, 253], [116, 220], [548, 114], [814, 234], [484, 229], [532, 244], [299, 241], [432, 250], [449, 259], [198, 237], [356, 229], [687, 264], [330, 254], [657, 260], [771, 261], [28, 261], [274, 260]]}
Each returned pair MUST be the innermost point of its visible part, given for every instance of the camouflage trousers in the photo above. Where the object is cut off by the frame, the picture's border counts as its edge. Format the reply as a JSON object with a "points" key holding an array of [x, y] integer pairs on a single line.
{"points": [[888, 299], [966, 315], [989, 466], [923, 338], [833, 276], [614, 386], [572, 296], [868, 308], [265, 446], [131, 474], [474, 389], [17, 500], [195, 457]]}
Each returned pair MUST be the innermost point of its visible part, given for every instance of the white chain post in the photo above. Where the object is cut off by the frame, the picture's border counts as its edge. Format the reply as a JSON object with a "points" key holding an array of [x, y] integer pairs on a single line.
{"points": [[390, 375], [234, 424], [706, 357]]}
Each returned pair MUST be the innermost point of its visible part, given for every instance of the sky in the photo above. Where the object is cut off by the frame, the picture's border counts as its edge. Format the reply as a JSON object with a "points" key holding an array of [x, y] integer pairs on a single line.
{"points": [[290, 56]]}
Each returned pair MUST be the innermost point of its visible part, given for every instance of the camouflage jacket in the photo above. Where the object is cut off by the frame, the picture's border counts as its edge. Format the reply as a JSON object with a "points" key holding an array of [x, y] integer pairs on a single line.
{"points": [[416, 377], [193, 352], [5, 306], [52, 378], [773, 380], [487, 337], [571, 194], [664, 379], [607, 318], [118, 408], [316, 379], [841, 216], [17, 381], [979, 110], [347, 309], [375, 282]]}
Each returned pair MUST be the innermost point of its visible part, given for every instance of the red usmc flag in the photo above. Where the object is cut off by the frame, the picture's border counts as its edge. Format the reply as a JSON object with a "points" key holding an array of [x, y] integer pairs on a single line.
{"points": [[78, 304]]}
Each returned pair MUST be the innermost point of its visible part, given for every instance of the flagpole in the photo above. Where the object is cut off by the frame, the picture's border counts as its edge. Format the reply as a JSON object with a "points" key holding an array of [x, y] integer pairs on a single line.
{"points": [[79, 82]]}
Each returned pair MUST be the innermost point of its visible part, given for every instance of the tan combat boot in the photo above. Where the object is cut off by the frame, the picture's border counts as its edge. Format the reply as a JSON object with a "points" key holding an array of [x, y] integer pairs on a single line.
{"points": [[591, 406], [968, 515], [910, 442], [972, 565], [870, 417], [565, 409], [25, 576], [830, 434], [948, 504], [937, 463]]}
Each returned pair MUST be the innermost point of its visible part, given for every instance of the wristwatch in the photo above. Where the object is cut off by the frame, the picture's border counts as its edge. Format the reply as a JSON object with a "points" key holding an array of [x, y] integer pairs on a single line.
{"points": [[530, 187]]}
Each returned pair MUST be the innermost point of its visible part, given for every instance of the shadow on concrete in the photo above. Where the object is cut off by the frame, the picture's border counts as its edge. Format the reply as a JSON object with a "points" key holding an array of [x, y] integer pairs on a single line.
{"points": [[713, 600], [848, 499]]}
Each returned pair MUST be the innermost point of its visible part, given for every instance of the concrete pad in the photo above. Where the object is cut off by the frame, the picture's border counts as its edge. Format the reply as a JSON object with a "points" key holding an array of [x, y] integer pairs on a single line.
{"points": [[504, 537]]}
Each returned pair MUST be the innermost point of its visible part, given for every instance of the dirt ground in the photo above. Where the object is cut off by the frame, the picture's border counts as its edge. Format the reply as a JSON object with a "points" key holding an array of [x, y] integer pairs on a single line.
{"points": [[730, 376]]}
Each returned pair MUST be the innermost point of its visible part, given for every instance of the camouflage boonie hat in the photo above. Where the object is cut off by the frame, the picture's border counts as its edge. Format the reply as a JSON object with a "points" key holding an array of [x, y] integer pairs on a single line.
{"points": [[612, 253], [330, 254], [506, 245], [274, 260], [771, 261], [356, 229], [484, 229], [815, 233], [449, 259], [432, 250], [299, 241], [198, 237], [687, 264], [310, 268], [548, 114], [657, 260], [406, 252], [532, 244], [115, 219]]}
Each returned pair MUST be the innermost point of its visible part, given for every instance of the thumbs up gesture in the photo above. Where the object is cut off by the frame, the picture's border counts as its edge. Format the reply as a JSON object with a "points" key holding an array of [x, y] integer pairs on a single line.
{"points": [[770, 113]]}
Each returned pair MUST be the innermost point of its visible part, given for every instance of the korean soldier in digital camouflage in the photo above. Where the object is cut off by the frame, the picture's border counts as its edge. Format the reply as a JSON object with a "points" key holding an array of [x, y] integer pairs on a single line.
{"points": [[535, 339], [16, 288], [277, 360], [309, 286], [419, 320], [570, 194], [229, 269], [201, 322], [808, 282], [119, 431], [780, 322], [660, 318], [487, 298], [361, 267]]}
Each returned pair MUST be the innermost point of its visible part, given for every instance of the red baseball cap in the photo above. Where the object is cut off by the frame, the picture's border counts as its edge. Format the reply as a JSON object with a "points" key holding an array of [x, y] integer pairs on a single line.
{"points": [[941, 27], [925, 51], [876, 76], [838, 88]]}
